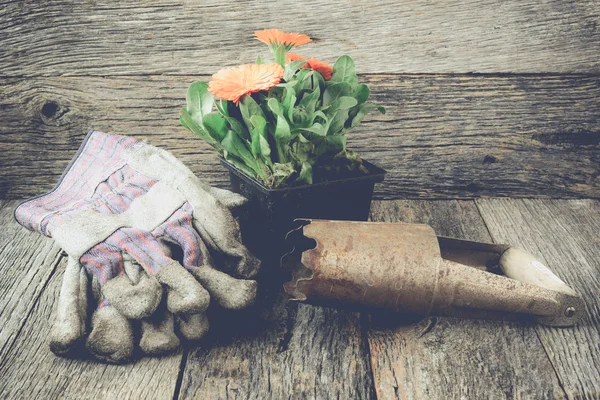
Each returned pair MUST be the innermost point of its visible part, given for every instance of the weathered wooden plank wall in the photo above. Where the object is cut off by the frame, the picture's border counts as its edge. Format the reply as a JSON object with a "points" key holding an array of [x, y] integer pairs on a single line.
{"points": [[528, 127], [442, 136], [103, 37]]}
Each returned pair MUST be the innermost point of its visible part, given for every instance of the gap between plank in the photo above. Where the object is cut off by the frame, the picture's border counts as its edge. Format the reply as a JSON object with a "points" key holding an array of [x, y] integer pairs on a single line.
{"points": [[449, 74], [366, 347], [44, 285], [182, 365]]}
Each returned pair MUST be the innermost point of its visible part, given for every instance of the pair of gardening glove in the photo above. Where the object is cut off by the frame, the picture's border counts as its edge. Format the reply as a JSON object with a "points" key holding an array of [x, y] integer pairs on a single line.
{"points": [[118, 211]]}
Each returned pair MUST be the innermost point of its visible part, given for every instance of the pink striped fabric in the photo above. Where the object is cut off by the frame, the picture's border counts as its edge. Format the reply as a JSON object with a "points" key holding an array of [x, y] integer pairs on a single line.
{"points": [[99, 179], [100, 155]]}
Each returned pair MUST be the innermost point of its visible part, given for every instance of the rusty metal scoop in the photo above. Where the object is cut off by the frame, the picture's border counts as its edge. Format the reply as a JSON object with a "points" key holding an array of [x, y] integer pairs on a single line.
{"points": [[407, 268]]}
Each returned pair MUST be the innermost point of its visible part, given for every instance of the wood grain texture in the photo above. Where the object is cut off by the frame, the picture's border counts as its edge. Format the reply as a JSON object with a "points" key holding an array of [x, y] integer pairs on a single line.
{"points": [[27, 260], [565, 236], [443, 136], [31, 371], [321, 356], [188, 37], [448, 358]]}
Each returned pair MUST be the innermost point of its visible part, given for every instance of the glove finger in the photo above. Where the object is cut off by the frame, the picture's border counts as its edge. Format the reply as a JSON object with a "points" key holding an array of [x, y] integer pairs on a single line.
{"points": [[111, 337], [229, 292], [184, 293], [158, 333], [133, 293], [229, 199], [194, 326], [69, 326], [220, 232]]}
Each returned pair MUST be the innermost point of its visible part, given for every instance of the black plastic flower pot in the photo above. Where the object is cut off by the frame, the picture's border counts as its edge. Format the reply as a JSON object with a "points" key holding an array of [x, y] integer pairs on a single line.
{"points": [[270, 213]]}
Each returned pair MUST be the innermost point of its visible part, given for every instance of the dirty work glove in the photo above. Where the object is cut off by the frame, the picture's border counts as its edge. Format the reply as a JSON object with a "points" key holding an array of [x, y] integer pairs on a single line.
{"points": [[117, 203]]}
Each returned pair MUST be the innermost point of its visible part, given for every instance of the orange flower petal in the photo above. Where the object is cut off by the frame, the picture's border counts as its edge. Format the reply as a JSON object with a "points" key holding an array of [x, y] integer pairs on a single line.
{"points": [[234, 82], [278, 37], [312, 63], [320, 66], [294, 57]]}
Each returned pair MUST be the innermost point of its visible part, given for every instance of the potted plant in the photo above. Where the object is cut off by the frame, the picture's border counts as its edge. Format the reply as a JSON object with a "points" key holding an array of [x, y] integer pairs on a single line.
{"points": [[280, 128]]}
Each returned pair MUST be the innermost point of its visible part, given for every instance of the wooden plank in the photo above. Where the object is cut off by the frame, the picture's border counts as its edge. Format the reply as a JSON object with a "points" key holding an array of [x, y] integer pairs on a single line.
{"points": [[443, 136], [321, 356], [26, 262], [448, 358], [185, 37], [31, 371], [564, 235]]}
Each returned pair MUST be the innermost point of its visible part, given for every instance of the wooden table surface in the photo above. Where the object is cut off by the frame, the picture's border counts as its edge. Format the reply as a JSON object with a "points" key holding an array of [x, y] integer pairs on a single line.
{"points": [[492, 134], [320, 353]]}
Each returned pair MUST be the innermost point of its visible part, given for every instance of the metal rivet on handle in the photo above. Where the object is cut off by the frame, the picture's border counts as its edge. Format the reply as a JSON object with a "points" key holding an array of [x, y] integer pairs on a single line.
{"points": [[569, 312]]}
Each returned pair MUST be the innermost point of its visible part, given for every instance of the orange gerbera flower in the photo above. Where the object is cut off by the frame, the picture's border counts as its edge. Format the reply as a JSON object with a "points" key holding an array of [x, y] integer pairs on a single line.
{"points": [[294, 57], [276, 37], [234, 82], [312, 63]]}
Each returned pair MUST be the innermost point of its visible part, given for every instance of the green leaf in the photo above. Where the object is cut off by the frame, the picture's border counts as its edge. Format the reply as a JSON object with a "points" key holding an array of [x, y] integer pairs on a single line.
{"points": [[248, 108], [260, 144], [234, 145], [280, 53], [361, 93], [274, 106], [318, 79], [240, 165], [306, 174], [282, 134], [215, 125], [336, 143], [260, 124], [199, 101], [255, 145], [309, 102], [259, 60], [319, 114], [196, 129], [282, 130], [344, 70], [335, 91], [301, 81], [353, 157], [338, 122], [265, 149], [289, 102], [281, 172], [182, 122], [222, 107], [342, 103], [362, 111], [317, 129], [238, 128], [291, 68]]}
